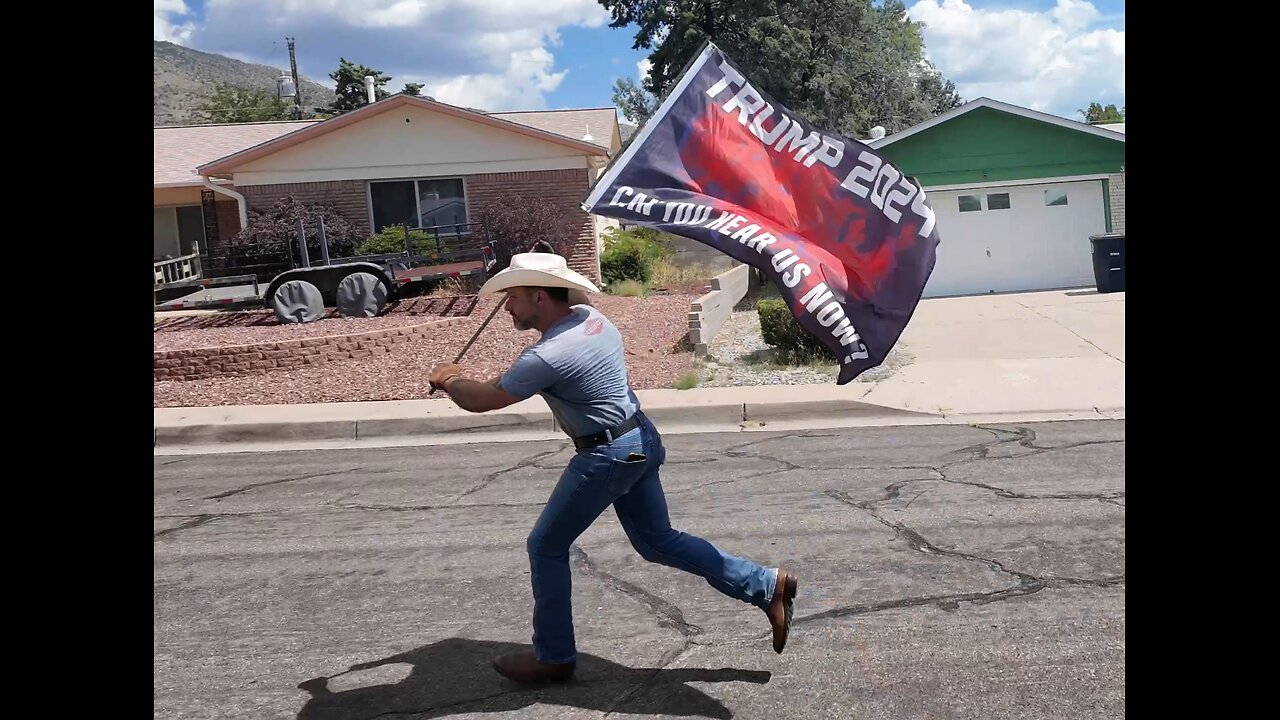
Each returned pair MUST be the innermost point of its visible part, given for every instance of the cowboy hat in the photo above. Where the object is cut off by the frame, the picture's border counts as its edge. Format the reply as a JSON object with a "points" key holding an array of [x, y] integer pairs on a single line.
{"points": [[537, 269]]}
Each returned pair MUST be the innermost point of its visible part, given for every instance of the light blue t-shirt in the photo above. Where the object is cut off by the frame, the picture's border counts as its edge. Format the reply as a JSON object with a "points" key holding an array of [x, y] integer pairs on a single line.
{"points": [[579, 369]]}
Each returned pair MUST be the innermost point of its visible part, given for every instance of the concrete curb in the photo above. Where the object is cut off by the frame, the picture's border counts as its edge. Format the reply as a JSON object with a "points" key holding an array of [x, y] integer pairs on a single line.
{"points": [[197, 427], [425, 422], [212, 433]]}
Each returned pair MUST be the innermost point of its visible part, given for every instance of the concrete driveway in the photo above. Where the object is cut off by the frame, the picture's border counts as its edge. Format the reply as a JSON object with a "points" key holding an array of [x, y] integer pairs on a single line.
{"points": [[1053, 350]]}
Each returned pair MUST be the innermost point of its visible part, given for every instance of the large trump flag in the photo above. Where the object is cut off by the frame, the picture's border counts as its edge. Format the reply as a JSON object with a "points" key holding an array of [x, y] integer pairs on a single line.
{"points": [[846, 237]]}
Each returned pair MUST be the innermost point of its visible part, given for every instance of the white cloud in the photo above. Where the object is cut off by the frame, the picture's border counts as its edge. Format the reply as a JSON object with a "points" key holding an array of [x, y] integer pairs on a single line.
{"points": [[643, 68], [165, 12], [488, 54], [523, 86], [1056, 61]]}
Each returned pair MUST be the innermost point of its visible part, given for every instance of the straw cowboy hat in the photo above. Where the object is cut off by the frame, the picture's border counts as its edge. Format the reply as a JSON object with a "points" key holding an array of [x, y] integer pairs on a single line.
{"points": [[537, 269]]}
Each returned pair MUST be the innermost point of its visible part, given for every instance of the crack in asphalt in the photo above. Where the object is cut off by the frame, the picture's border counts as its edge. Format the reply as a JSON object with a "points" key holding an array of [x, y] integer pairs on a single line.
{"points": [[247, 488], [763, 473], [786, 464], [423, 508], [530, 461], [1104, 496], [1024, 437], [197, 521], [201, 519], [1027, 583], [175, 462], [667, 615], [664, 662], [920, 544]]}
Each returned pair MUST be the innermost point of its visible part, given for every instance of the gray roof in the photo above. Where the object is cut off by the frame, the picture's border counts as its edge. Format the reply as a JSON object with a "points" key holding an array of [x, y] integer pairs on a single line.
{"points": [[576, 124]]}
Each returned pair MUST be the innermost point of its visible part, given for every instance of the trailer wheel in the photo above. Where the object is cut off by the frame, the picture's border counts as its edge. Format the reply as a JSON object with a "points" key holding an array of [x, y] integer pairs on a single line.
{"points": [[361, 294], [297, 301]]}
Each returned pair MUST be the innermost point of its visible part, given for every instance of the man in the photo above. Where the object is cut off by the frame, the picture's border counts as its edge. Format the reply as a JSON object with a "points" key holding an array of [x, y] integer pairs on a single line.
{"points": [[579, 369]]}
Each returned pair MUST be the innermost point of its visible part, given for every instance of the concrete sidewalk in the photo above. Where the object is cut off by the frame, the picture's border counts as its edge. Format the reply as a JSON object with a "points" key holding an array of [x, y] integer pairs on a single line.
{"points": [[1032, 356]]}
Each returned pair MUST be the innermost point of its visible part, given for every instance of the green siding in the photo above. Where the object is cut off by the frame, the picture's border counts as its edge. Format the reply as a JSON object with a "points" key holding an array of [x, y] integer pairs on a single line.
{"points": [[987, 145]]}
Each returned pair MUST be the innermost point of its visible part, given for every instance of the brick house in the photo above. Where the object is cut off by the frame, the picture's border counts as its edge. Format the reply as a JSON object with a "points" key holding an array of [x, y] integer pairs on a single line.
{"points": [[401, 157]]}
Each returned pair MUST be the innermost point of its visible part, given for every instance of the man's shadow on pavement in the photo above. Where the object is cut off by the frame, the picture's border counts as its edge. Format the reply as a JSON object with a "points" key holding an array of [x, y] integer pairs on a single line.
{"points": [[456, 676]]}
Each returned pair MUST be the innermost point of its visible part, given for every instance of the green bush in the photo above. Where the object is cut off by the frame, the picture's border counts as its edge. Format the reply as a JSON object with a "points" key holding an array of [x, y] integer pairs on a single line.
{"points": [[632, 254], [391, 240], [624, 263], [779, 328]]}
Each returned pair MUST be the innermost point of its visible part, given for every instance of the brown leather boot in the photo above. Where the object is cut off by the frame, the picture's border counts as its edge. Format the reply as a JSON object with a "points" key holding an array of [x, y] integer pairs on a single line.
{"points": [[779, 610], [524, 667]]}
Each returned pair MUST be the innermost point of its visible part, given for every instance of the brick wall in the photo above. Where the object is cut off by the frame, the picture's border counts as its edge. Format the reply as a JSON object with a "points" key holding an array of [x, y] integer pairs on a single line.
{"points": [[1117, 202], [348, 196], [228, 220], [565, 189], [260, 358]]}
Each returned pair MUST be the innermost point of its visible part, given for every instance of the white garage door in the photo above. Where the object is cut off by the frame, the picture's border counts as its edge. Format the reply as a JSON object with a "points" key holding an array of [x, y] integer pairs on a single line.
{"points": [[1015, 238]]}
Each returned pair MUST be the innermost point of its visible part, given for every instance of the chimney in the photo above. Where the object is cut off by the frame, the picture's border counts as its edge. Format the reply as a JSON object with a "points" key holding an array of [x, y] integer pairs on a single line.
{"points": [[368, 88]]}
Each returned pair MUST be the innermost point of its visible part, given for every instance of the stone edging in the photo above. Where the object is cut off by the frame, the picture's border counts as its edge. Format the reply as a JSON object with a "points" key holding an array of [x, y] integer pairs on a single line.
{"points": [[259, 358]]}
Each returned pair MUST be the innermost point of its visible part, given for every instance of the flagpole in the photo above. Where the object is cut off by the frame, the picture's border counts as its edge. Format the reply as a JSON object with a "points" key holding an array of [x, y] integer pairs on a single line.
{"points": [[611, 173]]}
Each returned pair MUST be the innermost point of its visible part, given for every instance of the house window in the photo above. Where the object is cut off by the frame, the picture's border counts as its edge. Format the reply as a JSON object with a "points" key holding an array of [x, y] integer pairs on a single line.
{"points": [[418, 203], [998, 201], [1054, 198], [970, 203]]}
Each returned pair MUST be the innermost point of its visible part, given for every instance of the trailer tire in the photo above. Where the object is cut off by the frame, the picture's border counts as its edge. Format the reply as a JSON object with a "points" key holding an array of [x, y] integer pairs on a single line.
{"points": [[297, 301], [361, 294]]}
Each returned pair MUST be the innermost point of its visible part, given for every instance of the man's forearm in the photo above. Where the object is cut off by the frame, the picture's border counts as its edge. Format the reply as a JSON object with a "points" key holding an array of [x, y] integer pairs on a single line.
{"points": [[474, 396]]}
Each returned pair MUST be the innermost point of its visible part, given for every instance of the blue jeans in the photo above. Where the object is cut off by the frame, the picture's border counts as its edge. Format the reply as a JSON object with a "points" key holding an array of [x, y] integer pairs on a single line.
{"points": [[624, 474]]}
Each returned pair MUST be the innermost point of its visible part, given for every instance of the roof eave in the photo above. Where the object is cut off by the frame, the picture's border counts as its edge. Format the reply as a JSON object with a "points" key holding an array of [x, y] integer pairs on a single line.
{"points": [[985, 102], [227, 164]]}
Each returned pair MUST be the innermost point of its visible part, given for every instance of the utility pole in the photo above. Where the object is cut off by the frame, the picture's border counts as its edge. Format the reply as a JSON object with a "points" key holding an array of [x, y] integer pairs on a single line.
{"points": [[297, 87]]}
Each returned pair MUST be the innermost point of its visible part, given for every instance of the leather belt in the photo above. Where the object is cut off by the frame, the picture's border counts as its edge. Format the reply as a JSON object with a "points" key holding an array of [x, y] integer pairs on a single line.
{"points": [[607, 435]]}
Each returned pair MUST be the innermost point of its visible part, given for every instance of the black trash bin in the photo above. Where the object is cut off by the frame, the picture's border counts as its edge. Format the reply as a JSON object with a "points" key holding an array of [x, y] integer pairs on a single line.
{"points": [[1108, 262]]}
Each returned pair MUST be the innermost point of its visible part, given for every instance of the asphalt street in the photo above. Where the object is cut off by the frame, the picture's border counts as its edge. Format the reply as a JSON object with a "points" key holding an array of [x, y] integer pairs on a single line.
{"points": [[945, 572]]}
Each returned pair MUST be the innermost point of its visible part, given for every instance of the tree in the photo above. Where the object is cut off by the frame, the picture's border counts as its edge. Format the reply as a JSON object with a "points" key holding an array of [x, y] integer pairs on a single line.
{"points": [[518, 221], [350, 89], [846, 65], [231, 104], [414, 89], [1098, 114], [634, 102]]}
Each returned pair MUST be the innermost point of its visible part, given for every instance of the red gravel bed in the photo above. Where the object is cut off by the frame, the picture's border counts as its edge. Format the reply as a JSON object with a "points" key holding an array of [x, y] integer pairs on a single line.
{"points": [[653, 330]]}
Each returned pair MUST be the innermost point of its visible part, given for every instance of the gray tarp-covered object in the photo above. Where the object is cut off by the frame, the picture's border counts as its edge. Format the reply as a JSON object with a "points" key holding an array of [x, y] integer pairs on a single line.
{"points": [[297, 301]]}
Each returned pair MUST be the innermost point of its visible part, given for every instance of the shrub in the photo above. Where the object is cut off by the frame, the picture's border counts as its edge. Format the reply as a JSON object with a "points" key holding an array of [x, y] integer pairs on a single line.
{"points": [[632, 254], [268, 244], [391, 240], [779, 328]]}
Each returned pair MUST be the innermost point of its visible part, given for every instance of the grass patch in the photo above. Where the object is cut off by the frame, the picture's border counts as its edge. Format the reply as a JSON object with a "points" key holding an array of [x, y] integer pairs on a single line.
{"points": [[778, 359], [692, 279], [688, 381], [628, 288]]}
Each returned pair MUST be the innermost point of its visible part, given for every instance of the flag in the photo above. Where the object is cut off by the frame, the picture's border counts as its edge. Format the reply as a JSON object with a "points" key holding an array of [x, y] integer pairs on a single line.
{"points": [[846, 237]]}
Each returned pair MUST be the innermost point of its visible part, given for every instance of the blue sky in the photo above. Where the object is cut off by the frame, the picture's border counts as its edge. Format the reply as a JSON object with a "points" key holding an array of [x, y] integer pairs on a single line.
{"points": [[1050, 55]]}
